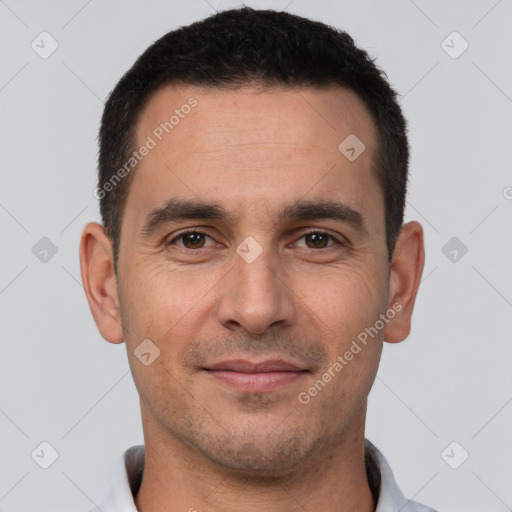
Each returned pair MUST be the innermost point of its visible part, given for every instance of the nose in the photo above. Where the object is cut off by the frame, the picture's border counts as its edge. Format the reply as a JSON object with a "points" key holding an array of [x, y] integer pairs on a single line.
{"points": [[255, 295]]}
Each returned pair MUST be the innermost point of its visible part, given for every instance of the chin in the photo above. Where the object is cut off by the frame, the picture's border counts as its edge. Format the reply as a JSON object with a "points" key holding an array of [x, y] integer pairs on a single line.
{"points": [[267, 457]]}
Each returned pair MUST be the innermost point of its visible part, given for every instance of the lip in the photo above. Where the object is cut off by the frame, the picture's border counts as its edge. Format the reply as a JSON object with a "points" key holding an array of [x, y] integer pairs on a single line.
{"points": [[255, 377], [244, 366]]}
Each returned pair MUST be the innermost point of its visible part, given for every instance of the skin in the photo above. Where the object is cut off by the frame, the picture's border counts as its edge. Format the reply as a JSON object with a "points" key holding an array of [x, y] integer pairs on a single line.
{"points": [[209, 446]]}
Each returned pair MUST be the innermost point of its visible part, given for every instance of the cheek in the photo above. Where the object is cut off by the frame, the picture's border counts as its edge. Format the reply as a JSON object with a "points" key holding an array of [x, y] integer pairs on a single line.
{"points": [[159, 294], [344, 301], [351, 306], [345, 312], [169, 307], [162, 306]]}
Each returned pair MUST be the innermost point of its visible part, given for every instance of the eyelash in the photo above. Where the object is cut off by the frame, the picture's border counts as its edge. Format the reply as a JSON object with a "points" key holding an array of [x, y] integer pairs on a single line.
{"points": [[197, 251]]}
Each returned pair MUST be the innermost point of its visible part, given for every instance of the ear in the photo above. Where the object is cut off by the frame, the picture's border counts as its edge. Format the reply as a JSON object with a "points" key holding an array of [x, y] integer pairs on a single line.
{"points": [[99, 280], [404, 280]]}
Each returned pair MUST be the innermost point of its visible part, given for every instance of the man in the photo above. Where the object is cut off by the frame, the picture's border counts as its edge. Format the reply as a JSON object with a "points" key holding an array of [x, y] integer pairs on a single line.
{"points": [[253, 258]]}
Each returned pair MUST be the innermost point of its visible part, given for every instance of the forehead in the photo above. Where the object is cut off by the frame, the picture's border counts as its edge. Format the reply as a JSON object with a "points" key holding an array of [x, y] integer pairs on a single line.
{"points": [[251, 147], [286, 116]]}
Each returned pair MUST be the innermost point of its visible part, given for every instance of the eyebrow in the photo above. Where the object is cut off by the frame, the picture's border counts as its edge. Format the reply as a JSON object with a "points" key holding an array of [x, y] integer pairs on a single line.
{"points": [[176, 210]]}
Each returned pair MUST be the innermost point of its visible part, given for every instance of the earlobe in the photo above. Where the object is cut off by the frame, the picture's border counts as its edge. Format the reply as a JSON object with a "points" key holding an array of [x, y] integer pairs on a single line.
{"points": [[99, 281], [405, 276]]}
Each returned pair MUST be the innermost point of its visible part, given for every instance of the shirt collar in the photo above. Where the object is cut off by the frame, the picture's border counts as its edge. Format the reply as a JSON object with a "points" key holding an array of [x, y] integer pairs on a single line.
{"points": [[128, 476]]}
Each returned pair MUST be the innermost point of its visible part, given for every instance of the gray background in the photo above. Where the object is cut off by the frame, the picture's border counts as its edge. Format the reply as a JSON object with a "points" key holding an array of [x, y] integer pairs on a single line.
{"points": [[450, 381]]}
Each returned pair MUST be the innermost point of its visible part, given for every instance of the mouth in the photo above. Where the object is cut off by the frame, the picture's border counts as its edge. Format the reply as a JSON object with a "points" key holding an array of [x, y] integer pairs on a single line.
{"points": [[256, 377]]}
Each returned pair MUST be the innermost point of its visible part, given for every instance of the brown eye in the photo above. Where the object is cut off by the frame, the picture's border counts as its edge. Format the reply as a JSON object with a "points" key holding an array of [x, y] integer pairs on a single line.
{"points": [[193, 240], [316, 240], [190, 240]]}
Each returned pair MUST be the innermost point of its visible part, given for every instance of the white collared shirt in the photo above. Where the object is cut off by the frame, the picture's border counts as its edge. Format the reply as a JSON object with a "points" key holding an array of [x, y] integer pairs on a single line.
{"points": [[128, 476]]}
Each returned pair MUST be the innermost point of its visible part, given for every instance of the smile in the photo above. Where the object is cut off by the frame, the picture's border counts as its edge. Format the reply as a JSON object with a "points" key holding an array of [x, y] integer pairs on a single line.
{"points": [[256, 377]]}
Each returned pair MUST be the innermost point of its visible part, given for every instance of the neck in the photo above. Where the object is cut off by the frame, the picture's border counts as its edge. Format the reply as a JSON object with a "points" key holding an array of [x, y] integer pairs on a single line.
{"points": [[178, 477]]}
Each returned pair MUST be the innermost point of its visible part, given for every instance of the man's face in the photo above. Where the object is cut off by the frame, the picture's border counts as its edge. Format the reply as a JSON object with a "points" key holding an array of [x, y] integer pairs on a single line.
{"points": [[265, 277]]}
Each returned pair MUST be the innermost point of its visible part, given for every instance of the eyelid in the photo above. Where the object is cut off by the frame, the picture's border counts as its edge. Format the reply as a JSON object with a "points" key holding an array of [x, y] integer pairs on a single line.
{"points": [[339, 239], [187, 231]]}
